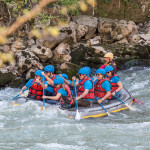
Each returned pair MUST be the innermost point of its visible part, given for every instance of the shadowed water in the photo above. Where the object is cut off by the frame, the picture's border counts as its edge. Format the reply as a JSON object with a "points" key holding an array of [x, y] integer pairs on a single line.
{"points": [[26, 127]]}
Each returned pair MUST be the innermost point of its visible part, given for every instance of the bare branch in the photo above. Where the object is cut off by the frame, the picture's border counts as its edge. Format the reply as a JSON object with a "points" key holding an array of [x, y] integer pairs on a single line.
{"points": [[21, 20]]}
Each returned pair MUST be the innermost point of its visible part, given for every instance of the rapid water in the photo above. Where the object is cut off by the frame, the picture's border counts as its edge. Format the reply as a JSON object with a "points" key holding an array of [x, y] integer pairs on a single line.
{"points": [[26, 127]]}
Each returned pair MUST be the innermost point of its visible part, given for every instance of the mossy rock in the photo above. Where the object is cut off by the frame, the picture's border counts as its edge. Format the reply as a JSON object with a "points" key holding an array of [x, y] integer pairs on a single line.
{"points": [[16, 83], [6, 78], [78, 54], [135, 62], [72, 71]]}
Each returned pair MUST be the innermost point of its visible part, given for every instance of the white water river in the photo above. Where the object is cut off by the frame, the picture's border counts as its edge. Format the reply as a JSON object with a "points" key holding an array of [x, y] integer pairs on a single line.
{"points": [[26, 127]]}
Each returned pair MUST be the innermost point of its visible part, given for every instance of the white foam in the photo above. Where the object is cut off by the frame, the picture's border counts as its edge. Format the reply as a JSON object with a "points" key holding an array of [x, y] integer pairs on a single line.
{"points": [[57, 146]]}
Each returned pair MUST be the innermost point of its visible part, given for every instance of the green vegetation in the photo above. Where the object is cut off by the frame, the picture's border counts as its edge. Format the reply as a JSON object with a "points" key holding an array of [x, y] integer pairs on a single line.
{"points": [[72, 6]]}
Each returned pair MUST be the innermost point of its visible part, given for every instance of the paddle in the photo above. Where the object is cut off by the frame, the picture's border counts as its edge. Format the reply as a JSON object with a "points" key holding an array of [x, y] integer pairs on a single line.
{"points": [[131, 108], [77, 117], [103, 107], [137, 101], [22, 92], [43, 95]]}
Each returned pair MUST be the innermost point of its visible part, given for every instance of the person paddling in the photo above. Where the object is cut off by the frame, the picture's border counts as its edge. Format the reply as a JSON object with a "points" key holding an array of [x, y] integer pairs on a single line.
{"points": [[102, 87], [50, 76], [64, 96], [67, 81], [116, 84], [36, 90], [85, 93], [109, 61]]}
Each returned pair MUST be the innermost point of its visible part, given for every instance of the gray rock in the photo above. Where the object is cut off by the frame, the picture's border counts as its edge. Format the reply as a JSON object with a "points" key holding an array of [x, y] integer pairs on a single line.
{"points": [[87, 21], [42, 52], [51, 42], [62, 53]]}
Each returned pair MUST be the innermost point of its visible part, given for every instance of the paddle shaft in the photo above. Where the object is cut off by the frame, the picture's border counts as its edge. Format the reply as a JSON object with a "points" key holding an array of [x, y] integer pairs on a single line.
{"points": [[43, 94], [75, 94], [120, 99], [101, 105], [22, 92]]}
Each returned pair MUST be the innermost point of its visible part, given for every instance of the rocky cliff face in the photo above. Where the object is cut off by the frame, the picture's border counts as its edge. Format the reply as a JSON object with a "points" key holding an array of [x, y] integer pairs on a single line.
{"points": [[82, 43], [135, 10]]}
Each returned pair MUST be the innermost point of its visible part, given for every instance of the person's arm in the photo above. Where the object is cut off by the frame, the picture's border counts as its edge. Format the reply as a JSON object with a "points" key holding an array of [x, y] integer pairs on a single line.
{"points": [[105, 97], [53, 97], [50, 81], [83, 94], [26, 86], [23, 88], [74, 78], [87, 86], [119, 88], [41, 83], [107, 86]]}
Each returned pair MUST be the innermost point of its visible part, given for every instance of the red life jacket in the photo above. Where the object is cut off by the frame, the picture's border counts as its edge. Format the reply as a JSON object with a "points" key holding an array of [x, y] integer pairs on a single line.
{"points": [[111, 63], [67, 99], [36, 90], [99, 91], [81, 89], [114, 86], [54, 88]]}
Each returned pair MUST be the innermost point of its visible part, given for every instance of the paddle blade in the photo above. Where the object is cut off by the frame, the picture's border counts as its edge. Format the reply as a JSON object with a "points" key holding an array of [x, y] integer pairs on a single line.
{"points": [[137, 101], [108, 113], [43, 108], [77, 117], [14, 104], [130, 108]]}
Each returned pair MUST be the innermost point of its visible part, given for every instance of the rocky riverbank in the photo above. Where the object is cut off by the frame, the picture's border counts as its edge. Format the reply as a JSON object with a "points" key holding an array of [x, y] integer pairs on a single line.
{"points": [[83, 42]]}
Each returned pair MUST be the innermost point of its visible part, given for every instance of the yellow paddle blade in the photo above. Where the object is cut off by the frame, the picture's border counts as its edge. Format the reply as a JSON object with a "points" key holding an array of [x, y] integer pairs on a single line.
{"points": [[14, 104], [43, 108]]}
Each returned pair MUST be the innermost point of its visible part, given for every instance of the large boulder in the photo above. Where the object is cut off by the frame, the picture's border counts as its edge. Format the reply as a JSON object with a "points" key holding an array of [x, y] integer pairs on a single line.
{"points": [[124, 53], [25, 60], [113, 30], [62, 53], [51, 42], [30, 73], [18, 45], [7, 75], [70, 69], [145, 39], [89, 25], [42, 52]]}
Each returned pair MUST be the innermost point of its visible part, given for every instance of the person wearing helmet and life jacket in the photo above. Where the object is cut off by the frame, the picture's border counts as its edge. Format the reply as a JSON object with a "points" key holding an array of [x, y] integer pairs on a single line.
{"points": [[102, 87], [36, 90], [50, 76], [89, 69], [85, 93], [64, 96], [109, 61], [67, 81], [116, 84]]}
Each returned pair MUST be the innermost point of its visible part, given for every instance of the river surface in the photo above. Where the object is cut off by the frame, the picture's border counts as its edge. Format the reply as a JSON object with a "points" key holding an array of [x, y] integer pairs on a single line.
{"points": [[26, 127]]}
